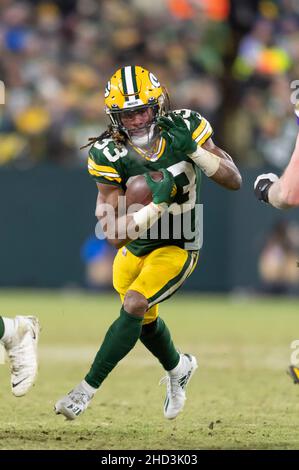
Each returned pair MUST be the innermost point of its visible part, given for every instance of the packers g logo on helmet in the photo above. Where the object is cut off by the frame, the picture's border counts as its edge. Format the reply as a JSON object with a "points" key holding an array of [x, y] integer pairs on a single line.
{"points": [[133, 87]]}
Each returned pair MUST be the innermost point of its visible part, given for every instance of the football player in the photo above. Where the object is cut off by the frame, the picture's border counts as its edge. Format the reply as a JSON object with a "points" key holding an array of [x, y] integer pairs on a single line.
{"points": [[19, 336], [282, 193], [145, 136]]}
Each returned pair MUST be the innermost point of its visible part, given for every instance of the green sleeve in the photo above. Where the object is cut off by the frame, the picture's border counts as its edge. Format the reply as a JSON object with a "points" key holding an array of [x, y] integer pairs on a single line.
{"points": [[199, 126], [103, 163]]}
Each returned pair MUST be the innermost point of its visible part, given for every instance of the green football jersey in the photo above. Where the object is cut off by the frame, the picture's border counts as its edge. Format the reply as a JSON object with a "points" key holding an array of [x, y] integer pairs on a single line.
{"points": [[179, 226]]}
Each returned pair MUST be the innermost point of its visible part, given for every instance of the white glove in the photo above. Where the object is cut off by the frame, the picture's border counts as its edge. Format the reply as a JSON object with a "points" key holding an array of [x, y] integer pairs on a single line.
{"points": [[270, 176], [262, 185]]}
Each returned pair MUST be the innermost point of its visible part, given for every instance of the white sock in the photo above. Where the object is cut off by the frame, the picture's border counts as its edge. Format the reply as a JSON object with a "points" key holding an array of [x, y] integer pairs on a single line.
{"points": [[177, 368], [9, 329], [88, 388]]}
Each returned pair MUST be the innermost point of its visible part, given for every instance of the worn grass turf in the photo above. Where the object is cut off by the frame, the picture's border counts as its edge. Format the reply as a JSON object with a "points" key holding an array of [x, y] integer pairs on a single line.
{"points": [[240, 398]]}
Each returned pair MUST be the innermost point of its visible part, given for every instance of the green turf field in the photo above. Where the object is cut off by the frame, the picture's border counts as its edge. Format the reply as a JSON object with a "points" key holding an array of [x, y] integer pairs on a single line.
{"points": [[240, 398]]}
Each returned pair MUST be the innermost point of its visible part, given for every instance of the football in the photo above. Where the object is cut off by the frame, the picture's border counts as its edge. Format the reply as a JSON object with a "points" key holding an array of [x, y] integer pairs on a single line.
{"points": [[138, 191]]}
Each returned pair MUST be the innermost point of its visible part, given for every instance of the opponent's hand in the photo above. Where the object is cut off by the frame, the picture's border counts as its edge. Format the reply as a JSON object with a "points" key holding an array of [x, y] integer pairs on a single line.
{"points": [[163, 191], [262, 185], [177, 134]]}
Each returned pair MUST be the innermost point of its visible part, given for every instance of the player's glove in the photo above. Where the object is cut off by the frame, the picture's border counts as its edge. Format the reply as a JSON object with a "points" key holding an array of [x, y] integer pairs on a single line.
{"points": [[177, 134], [163, 191], [262, 185]]}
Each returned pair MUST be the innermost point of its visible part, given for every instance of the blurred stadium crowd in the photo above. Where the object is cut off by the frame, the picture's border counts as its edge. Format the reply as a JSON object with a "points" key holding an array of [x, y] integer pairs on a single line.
{"points": [[232, 61]]}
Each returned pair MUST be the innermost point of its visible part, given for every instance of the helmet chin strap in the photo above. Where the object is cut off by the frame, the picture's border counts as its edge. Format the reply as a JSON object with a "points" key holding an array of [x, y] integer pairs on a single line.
{"points": [[142, 141]]}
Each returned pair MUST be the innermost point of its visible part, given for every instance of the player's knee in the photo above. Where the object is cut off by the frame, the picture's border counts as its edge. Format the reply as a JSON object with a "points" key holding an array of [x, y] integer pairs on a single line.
{"points": [[135, 303]]}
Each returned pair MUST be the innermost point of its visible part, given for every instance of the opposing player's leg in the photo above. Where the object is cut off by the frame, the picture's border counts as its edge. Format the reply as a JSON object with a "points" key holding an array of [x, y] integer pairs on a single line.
{"points": [[120, 338], [19, 337], [163, 272]]}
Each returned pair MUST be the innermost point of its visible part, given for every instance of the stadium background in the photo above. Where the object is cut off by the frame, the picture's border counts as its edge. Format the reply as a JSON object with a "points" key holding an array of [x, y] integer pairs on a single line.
{"points": [[233, 61]]}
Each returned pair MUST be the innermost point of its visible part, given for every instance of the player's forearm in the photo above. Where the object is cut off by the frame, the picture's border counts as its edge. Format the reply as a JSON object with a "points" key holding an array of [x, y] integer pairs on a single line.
{"points": [[281, 196], [218, 166], [117, 232], [127, 228], [276, 197], [289, 182], [283, 192], [115, 229], [228, 175]]}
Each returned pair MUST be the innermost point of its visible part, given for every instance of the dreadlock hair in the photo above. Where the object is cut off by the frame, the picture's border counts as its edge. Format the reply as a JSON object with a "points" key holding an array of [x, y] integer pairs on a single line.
{"points": [[118, 137]]}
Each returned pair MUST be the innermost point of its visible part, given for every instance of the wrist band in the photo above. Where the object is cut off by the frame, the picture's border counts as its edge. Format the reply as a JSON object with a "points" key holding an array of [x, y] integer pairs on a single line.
{"points": [[265, 192], [207, 161], [148, 215]]}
